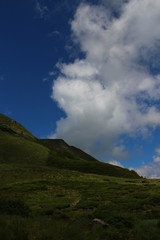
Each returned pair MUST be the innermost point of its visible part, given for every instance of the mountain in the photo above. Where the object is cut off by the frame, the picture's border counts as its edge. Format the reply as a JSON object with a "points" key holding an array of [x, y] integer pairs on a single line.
{"points": [[62, 147], [50, 190], [9, 125], [18, 145]]}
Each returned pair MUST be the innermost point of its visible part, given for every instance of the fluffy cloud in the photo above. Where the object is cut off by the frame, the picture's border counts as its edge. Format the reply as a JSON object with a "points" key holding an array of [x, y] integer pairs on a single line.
{"points": [[115, 163], [111, 91], [151, 170], [120, 152]]}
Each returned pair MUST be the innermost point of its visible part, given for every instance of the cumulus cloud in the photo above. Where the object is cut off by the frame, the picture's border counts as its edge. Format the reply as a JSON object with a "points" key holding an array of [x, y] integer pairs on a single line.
{"points": [[116, 163], [111, 90], [151, 170], [119, 152]]}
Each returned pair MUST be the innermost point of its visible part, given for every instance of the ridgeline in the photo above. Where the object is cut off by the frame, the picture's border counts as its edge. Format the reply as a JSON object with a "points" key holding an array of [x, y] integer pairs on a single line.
{"points": [[18, 145]]}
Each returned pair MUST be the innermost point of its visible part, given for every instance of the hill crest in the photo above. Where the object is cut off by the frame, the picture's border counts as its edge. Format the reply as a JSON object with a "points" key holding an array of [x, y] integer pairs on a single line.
{"points": [[19, 146], [13, 127]]}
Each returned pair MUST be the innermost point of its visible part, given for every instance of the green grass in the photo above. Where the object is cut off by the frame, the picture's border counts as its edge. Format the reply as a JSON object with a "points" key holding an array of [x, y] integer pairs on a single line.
{"points": [[55, 193], [15, 149], [51, 203], [18, 145], [11, 126], [59, 160]]}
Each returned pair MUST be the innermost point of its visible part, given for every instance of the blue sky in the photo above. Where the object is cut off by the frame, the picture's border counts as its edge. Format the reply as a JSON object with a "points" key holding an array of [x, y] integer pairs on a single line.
{"points": [[87, 72]]}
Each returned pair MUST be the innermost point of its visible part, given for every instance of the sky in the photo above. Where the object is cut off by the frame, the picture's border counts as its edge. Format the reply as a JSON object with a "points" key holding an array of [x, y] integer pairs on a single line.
{"points": [[88, 72]]}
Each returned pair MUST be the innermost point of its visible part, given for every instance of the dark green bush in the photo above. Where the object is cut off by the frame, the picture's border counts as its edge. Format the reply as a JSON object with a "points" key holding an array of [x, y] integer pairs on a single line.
{"points": [[13, 207]]}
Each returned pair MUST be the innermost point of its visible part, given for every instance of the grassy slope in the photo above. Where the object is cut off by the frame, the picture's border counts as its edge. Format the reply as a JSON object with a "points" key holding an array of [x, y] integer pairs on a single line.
{"points": [[62, 147], [15, 149], [89, 166], [69, 157], [9, 125], [17, 145], [50, 203], [40, 198]]}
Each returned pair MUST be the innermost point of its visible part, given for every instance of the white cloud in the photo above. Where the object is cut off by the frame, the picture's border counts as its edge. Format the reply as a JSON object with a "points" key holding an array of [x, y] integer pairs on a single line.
{"points": [[51, 73], [119, 152], [41, 9], [151, 170], [104, 95], [158, 151], [147, 171], [54, 33], [45, 79], [116, 163]]}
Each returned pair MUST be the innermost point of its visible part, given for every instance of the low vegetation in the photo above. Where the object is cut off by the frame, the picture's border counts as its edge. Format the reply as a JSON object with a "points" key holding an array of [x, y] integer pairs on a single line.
{"points": [[48, 194], [50, 203], [11, 126], [17, 145]]}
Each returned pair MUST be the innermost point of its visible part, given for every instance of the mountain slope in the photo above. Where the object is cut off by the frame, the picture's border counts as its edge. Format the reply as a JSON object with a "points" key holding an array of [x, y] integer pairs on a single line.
{"points": [[11, 126], [62, 147], [18, 145], [16, 149]]}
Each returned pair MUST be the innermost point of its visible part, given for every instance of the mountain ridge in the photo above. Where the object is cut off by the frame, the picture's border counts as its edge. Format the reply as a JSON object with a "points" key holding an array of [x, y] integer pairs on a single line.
{"points": [[63, 147], [18, 145], [9, 125]]}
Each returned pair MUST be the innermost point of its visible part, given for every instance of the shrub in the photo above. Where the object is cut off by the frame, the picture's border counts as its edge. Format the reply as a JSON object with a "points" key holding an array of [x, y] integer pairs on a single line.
{"points": [[13, 207]]}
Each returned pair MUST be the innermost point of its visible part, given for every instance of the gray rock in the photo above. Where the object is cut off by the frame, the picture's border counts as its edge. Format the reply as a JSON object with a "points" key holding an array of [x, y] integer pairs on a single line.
{"points": [[100, 222]]}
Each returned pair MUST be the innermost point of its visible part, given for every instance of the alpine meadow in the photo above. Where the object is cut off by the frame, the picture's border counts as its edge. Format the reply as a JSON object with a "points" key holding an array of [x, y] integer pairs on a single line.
{"points": [[50, 190]]}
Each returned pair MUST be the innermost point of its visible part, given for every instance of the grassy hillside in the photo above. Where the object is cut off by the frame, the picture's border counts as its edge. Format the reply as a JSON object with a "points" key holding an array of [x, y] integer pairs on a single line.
{"points": [[68, 157], [17, 145], [50, 203], [15, 149], [52, 191], [11, 126], [62, 147], [59, 161]]}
